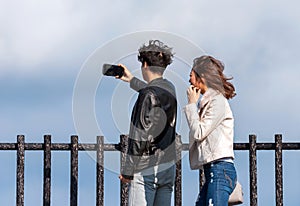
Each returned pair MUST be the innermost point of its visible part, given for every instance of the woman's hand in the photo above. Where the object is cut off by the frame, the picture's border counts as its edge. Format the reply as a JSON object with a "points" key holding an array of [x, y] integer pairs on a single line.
{"points": [[193, 94], [127, 76]]}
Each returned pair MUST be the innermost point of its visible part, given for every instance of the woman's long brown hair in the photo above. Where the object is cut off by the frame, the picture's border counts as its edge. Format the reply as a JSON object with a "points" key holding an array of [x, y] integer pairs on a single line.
{"points": [[211, 70]]}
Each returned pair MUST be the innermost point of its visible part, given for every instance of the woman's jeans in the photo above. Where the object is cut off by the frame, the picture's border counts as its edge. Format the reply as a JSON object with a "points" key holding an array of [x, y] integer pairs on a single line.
{"points": [[220, 180], [153, 187]]}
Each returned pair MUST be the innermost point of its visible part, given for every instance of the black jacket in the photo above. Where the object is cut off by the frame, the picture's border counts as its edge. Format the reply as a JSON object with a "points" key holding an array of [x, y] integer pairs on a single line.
{"points": [[152, 130]]}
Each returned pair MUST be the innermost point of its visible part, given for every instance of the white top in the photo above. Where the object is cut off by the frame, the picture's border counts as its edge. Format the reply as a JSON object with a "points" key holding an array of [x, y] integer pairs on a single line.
{"points": [[211, 129]]}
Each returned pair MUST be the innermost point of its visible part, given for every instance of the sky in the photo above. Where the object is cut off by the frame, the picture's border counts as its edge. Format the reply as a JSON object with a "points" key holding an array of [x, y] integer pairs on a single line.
{"points": [[52, 51]]}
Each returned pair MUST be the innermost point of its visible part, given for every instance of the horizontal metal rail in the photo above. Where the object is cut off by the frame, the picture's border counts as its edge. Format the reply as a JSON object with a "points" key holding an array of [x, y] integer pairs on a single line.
{"points": [[116, 147]]}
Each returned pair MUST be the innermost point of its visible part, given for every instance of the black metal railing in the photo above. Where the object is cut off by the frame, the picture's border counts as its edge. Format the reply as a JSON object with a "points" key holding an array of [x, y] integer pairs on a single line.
{"points": [[100, 147]]}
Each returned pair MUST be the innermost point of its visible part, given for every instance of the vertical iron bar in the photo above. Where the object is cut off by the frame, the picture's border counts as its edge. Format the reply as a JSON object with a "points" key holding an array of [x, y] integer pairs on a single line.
{"points": [[253, 170], [278, 170], [178, 178], [74, 170], [124, 186], [100, 171], [47, 170], [20, 169], [201, 179]]}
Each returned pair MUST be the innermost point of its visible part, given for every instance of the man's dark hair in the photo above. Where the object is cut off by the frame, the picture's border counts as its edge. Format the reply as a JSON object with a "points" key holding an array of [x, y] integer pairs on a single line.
{"points": [[157, 55]]}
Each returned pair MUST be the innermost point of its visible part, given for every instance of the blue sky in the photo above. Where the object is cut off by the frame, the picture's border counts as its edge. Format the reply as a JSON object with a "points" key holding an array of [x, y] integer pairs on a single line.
{"points": [[45, 47]]}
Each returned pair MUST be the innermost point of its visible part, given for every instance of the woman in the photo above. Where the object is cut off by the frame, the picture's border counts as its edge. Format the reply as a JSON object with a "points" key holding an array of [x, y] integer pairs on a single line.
{"points": [[211, 130]]}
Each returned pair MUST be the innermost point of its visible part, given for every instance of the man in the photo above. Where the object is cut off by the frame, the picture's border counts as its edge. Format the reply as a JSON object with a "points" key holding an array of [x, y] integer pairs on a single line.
{"points": [[150, 158]]}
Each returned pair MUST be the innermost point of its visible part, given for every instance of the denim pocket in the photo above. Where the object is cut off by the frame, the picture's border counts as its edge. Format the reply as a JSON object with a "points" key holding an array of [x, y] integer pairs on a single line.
{"points": [[230, 175]]}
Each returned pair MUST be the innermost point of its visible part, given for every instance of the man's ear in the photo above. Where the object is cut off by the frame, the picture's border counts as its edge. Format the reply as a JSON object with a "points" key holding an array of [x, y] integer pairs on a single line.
{"points": [[146, 65]]}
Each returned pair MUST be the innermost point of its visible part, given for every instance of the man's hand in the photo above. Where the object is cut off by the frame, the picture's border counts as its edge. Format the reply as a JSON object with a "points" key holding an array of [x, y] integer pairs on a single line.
{"points": [[127, 76], [124, 180]]}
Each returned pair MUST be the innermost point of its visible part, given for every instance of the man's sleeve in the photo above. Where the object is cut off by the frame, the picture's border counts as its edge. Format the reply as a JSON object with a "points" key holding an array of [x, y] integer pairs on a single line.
{"points": [[136, 84]]}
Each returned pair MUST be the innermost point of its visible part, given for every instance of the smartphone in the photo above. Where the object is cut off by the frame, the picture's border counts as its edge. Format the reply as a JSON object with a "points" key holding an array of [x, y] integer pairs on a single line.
{"points": [[112, 70]]}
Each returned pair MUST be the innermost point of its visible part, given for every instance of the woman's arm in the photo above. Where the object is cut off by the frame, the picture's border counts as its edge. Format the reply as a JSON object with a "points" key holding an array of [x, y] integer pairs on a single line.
{"points": [[214, 113]]}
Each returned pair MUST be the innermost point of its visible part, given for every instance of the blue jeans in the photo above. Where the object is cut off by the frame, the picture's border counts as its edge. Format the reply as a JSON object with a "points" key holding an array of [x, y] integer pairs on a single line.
{"points": [[154, 186], [220, 180]]}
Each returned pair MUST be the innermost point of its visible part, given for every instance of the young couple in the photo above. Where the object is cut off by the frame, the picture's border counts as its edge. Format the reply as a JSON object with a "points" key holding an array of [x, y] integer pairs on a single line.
{"points": [[149, 166]]}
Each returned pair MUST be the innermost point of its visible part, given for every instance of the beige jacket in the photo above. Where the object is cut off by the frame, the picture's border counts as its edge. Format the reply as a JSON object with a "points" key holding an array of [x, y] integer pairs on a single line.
{"points": [[211, 129]]}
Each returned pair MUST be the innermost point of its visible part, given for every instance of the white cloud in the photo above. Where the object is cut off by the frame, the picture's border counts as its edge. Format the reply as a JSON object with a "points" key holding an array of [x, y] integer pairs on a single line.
{"points": [[34, 33]]}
